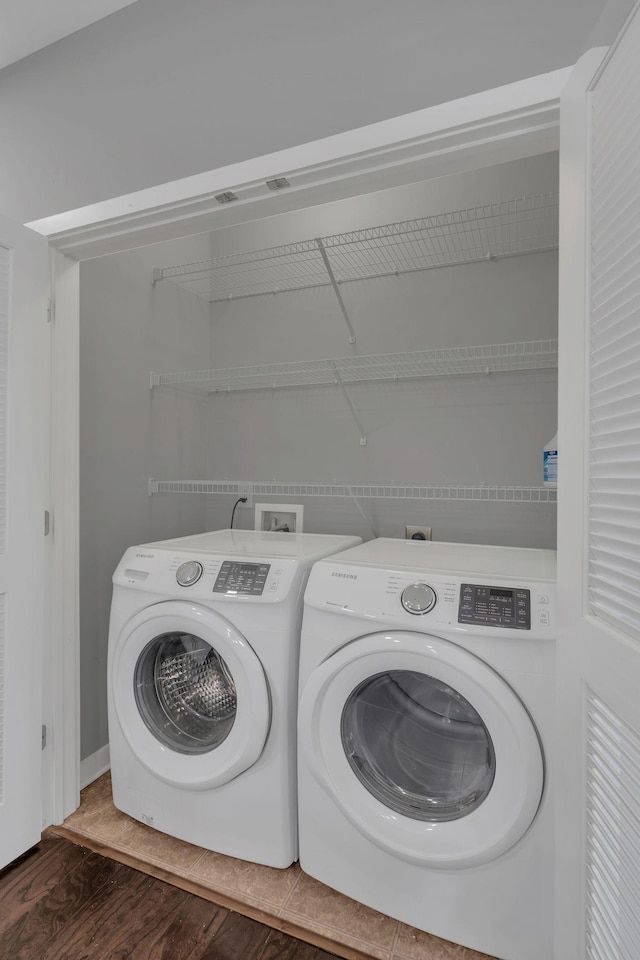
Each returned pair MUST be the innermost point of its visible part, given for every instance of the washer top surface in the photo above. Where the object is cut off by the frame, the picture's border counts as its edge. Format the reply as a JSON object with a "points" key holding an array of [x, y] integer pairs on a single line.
{"points": [[470, 559], [307, 547]]}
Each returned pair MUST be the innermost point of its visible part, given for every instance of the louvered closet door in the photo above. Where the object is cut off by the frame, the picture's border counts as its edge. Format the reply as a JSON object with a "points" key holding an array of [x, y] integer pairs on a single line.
{"points": [[598, 759], [24, 424]]}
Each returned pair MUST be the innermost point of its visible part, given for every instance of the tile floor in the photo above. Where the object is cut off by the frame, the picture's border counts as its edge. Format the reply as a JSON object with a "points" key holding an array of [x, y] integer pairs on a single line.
{"points": [[287, 899]]}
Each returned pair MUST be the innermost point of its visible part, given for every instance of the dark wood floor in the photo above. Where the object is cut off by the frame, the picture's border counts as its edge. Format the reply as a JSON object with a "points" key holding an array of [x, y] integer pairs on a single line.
{"points": [[62, 902]]}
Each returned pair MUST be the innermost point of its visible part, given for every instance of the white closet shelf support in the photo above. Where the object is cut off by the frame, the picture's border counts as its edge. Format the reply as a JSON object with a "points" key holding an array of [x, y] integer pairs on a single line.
{"points": [[453, 361], [474, 492], [504, 229]]}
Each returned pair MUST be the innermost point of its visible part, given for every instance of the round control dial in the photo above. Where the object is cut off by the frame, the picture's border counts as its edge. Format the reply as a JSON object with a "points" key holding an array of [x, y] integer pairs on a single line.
{"points": [[419, 598], [189, 573]]}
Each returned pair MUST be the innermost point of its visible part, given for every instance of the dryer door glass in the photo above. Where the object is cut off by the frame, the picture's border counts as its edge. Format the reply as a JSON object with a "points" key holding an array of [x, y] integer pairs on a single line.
{"points": [[185, 693], [418, 746]]}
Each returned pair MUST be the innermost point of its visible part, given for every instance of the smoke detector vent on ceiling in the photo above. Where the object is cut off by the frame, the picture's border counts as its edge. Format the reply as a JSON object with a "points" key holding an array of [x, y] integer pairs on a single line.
{"points": [[226, 197], [278, 183]]}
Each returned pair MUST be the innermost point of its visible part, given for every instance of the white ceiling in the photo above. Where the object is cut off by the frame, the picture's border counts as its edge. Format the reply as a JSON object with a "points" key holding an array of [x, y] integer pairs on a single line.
{"points": [[29, 25]]}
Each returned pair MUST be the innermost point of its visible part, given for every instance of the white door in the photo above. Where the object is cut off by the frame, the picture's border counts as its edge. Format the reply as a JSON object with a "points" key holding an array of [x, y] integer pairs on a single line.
{"points": [[24, 429], [598, 776]]}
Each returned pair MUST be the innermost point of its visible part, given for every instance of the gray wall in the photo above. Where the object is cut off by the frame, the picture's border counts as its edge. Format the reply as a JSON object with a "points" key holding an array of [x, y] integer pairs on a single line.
{"points": [[128, 434], [161, 90], [451, 431]]}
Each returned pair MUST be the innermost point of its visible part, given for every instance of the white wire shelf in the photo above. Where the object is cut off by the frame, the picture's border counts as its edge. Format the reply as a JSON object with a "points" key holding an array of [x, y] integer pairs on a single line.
{"points": [[507, 228], [493, 358], [477, 492]]}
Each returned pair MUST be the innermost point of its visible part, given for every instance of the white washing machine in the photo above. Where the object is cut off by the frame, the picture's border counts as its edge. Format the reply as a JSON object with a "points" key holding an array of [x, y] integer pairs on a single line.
{"points": [[202, 674], [424, 730]]}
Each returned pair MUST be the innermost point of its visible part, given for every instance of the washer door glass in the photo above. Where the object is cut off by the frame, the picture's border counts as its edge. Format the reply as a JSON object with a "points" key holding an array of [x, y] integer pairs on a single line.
{"points": [[185, 693], [418, 746], [188, 695]]}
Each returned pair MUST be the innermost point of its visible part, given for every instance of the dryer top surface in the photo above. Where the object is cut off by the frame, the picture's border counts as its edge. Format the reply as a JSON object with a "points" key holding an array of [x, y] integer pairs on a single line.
{"points": [[471, 559]]}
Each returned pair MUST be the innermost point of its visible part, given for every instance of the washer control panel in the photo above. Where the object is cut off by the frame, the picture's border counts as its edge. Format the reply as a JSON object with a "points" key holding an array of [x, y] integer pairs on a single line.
{"points": [[493, 606], [241, 579], [211, 576], [418, 598]]}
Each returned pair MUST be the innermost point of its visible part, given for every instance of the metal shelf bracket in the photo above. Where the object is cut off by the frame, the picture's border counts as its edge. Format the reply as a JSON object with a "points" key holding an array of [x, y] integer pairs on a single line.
{"points": [[336, 289], [363, 435]]}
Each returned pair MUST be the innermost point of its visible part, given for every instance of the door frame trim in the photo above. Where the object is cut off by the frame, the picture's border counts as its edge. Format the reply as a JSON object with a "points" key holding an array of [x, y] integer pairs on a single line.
{"points": [[61, 794], [516, 120], [507, 123]]}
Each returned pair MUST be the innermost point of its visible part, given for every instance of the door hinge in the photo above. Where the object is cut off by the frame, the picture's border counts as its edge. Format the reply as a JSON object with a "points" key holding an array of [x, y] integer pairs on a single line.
{"points": [[47, 523], [44, 735]]}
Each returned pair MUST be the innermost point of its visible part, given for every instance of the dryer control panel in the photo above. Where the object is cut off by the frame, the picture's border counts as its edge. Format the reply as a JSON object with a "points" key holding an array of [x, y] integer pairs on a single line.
{"points": [[430, 600], [495, 606]]}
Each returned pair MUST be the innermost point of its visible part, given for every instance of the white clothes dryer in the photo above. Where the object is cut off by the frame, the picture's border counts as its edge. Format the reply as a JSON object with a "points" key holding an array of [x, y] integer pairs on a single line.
{"points": [[202, 675], [424, 731]]}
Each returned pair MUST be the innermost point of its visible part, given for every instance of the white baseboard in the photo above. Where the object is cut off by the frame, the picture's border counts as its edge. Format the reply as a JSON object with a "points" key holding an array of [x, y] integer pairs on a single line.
{"points": [[94, 766]]}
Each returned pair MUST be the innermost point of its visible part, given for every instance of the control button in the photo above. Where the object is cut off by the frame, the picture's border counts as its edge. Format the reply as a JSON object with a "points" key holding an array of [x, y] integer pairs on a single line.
{"points": [[418, 599], [189, 573], [543, 617], [543, 598]]}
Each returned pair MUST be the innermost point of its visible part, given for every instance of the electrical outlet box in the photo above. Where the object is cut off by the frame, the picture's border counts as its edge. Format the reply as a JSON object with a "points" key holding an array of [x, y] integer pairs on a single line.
{"points": [[417, 533], [279, 517]]}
